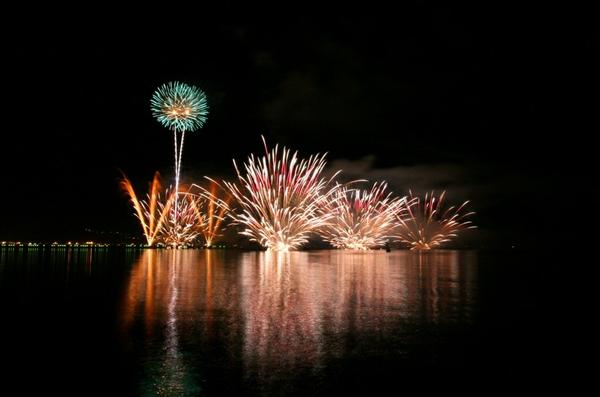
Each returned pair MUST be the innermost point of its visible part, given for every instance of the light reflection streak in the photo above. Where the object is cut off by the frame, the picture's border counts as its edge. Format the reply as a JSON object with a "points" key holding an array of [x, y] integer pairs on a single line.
{"points": [[173, 368], [156, 298], [273, 313]]}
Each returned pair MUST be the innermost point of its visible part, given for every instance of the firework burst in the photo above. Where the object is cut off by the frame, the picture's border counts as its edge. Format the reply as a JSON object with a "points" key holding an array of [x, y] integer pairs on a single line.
{"points": [[186, 222], [216, 210], [362, 219], [151, 212], [428, 225], [181, 108], [279, 198]]}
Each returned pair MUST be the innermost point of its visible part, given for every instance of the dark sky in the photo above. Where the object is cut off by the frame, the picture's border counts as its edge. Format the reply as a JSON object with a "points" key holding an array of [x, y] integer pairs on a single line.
{"points": [[426, 97]]}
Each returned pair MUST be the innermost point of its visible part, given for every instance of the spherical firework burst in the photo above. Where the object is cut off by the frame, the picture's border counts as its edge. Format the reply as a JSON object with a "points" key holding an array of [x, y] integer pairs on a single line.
{"points": [[428, 225], [180, 107], [280, 197], [361, 219]]}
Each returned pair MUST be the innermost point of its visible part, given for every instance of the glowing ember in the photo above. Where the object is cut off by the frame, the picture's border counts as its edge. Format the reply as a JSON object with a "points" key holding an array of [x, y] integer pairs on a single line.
{"points": [[428, 225]]}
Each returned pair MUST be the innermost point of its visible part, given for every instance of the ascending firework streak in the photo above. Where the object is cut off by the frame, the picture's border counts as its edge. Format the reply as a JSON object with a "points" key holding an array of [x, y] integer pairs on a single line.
{"points": [[181, 108], [152, 212], [280, 197], [428, 225], [217, 209], [362, 219]]}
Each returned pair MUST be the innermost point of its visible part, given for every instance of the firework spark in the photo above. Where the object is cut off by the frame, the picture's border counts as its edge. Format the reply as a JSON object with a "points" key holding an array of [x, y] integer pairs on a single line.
{"points": [[362, 219], [181, 108], [186, 222], [216, 211], [428, 225], [280, 197], [151, 212]]}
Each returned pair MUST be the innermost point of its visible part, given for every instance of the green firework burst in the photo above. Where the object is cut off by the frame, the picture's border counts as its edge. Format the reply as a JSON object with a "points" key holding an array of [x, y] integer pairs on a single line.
{"points": [[179, 106]]}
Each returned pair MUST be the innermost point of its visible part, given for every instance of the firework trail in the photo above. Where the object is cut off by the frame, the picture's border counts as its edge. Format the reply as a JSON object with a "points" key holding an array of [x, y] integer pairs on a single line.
{"points": [[151, 212], [216, 210], [428, 225], [279, 197], [362, 219], [186, 222], [180, 108]]}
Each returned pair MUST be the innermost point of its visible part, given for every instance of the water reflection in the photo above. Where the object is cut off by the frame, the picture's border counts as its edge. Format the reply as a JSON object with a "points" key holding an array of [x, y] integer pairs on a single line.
{"points": [[160, 293], [46, 265], [269, 315]]}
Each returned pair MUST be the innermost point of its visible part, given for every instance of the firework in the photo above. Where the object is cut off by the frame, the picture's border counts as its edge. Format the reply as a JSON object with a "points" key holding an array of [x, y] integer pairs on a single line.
{"points": [[362, 219], [151, 212], [428, 225], [216, 210], [186, 222], [279, 198], [161, 221], [181, 108]]}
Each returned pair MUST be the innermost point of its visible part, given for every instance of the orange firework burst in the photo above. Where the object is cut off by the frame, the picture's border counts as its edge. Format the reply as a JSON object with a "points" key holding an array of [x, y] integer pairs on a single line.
{"points": [[151, 212], [216, 211]]}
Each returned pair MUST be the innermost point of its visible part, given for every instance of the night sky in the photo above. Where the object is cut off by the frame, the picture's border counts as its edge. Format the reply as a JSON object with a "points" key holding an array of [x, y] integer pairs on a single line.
{"points": [[425, 98]]}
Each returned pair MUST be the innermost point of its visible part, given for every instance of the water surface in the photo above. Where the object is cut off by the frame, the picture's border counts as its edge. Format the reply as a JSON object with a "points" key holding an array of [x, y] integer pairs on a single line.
{"points": [[216, 322]]}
